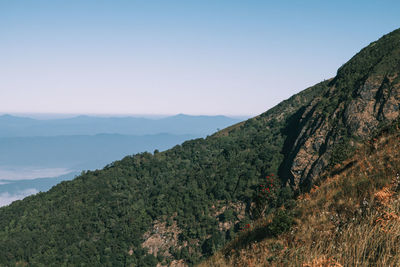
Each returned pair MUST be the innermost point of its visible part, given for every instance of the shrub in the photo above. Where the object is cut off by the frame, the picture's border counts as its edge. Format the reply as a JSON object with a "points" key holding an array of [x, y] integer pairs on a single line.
{"points": [[281, 223]]}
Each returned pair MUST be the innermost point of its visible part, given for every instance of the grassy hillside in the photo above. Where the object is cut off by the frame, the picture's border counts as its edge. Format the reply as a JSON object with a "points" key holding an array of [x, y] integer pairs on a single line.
{"points": [[187, 202], [351, 217]]}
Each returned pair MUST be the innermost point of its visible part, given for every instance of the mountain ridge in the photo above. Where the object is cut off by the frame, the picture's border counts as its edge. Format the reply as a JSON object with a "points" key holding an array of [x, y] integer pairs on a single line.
{"points": [[359, 99], [15, 126], [106, 216]]}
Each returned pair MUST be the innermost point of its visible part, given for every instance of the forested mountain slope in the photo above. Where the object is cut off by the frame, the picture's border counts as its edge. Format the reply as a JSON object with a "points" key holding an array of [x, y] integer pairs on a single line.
{"points": [[186, 202], [351, 216]]}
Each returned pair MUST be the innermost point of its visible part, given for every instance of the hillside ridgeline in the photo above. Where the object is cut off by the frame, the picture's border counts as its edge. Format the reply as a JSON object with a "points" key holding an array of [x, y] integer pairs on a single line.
{"points": [[187, 202]]}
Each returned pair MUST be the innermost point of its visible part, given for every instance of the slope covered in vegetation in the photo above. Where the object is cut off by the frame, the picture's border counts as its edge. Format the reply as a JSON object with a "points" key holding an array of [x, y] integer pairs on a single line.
{"points": [[187, 202], [102, 215], [351, 217]]}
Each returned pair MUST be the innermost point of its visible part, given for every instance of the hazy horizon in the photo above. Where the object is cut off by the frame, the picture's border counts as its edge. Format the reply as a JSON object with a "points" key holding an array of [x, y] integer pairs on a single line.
{"points": [[50, 115], [170, 57]]}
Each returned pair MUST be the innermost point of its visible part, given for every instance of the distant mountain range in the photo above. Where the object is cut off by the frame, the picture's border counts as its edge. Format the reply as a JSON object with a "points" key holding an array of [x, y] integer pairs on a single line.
{"points": [[13, 126]]}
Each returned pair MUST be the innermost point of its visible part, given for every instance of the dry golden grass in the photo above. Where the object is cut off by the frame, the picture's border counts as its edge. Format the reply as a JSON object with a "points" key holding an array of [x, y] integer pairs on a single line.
{"points": [[351, 219], [322, 262]]}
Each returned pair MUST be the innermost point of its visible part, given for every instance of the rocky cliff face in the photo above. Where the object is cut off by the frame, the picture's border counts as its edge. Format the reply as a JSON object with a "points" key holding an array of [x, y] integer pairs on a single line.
{"points": [[364, 95]]}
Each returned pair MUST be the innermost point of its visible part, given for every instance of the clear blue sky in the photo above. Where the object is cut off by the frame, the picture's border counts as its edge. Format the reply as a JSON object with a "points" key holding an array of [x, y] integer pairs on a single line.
{"points": [[166, 57]]}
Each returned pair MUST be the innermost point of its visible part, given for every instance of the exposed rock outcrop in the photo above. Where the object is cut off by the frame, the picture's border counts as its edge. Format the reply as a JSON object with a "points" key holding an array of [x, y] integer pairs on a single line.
{"points": [[351, 109]]}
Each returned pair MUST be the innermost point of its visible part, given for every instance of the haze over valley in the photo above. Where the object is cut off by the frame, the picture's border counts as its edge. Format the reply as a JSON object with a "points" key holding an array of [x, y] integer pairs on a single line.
{"points": [[37, 154]]}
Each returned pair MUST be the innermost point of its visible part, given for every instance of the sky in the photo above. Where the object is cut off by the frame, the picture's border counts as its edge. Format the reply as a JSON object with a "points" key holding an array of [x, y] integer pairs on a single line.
{"points": [[167, 57]]}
